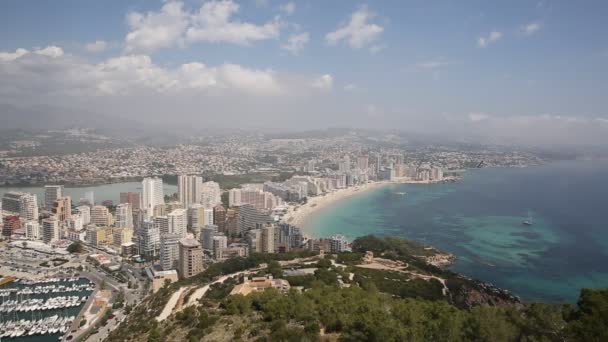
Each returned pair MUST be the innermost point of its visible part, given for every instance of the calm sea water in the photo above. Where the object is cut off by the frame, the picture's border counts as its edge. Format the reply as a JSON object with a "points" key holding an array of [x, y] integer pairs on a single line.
{"points": [[480, 220], [101, 192]]}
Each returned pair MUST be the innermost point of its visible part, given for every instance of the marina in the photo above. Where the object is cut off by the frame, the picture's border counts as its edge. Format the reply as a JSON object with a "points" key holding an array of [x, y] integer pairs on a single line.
{"points": [[41, 310]]}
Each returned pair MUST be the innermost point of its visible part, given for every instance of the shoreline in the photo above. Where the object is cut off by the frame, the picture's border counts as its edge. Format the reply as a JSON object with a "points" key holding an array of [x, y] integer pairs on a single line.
{"points": [[298, 214]]}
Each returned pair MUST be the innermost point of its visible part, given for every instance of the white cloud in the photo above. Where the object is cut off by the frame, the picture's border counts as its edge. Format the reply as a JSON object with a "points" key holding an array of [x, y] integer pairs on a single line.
{"points": [[532, 28], [358, 32], [126, 74], [324, 82], [156, 30], [11, 56], [475, 117], [49, 51], [289, 8], [296, 42], [493, 37], [213, 24], [96, 46]]}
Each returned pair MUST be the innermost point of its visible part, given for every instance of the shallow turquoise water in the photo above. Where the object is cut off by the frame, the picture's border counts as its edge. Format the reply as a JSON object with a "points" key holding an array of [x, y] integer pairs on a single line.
{"points": [[480, 220]]}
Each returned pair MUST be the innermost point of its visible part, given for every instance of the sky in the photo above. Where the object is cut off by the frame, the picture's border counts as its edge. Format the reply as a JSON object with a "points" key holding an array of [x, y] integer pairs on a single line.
{"points": [[534, 72]]}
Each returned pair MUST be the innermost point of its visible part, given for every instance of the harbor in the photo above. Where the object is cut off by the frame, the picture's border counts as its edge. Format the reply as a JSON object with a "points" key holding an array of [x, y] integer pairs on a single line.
{"points": [[41, 310]]}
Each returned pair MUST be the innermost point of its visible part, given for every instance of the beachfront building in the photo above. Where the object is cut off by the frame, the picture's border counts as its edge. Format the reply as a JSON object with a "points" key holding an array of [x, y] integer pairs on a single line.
{"points": [[51, 194], [152, 195], [259, 199], [339, 243]]}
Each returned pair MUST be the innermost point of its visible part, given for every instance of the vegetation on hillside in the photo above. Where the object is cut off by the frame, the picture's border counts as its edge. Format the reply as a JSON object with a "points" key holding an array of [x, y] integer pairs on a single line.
{"points": [[358, 304]]}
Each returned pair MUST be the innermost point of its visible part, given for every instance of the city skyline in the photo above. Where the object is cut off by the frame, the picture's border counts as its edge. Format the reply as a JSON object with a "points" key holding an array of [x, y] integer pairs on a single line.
{"points": [[520, 71]]}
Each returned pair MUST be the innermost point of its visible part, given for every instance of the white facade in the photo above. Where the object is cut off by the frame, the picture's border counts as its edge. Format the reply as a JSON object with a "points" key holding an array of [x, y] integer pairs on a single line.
{"points": [[178, 222], [169, 251], [75, 222], [32, 230], [124, 216], [85, 214], [219, 242], [152, 194], [148, 239], [189, 190], [211, 195], [29, 207]]}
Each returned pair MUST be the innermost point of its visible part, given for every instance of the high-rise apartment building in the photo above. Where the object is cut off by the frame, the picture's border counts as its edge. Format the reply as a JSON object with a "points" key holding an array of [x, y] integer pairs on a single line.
{"points": [[51, 194], [162, 224], [32, 230], [219, 242], [101, 216], [178, 222], [211, 195], [189, 189], [190, 258], [196, 216], [219, 217], [268, 238], [148, 239], [132, 198], [152, 194], [50, 230], [62, 208], [124, 216], [85, 214], [169, 251], [20, 203]]}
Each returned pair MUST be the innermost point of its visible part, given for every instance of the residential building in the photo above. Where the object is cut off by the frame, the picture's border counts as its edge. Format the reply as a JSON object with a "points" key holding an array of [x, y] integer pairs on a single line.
{"points": [[85, 214], [124, 216], [50, 230], [101, 216], [189, 190], [32, 230], [152, 194], [51, 194], [211, 195], [62, 208], [148, 239], [132, 198], [219, 242], [219, 217], [169, 251], [190, 258], [178, 222]]}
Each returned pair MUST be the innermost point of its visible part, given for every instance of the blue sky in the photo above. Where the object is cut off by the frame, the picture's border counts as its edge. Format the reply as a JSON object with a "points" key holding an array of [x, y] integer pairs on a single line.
{"points": [[482, 66]]}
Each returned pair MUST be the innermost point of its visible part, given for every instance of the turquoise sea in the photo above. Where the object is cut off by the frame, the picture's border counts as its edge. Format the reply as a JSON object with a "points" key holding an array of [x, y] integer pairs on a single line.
{"points": [[479, 219]]}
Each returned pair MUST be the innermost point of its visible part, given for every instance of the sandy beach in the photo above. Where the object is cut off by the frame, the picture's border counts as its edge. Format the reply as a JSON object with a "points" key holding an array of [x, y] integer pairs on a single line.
{"points": [[297, 214]]}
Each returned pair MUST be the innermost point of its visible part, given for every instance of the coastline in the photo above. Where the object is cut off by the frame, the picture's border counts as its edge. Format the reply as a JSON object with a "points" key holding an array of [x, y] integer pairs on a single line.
{"points": [[298, 214]]}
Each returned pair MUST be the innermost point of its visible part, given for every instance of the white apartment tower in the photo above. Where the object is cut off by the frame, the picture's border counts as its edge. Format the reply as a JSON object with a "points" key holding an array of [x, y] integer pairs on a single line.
{"points": [[189, 190], [169, 251], [124, 216], [29, 207], [152, 194], [211, 195], [178, 222], [32, 230]]}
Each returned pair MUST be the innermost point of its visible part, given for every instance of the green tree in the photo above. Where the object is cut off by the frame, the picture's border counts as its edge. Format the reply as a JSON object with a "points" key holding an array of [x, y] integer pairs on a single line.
{"points": [[590, 321]]}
